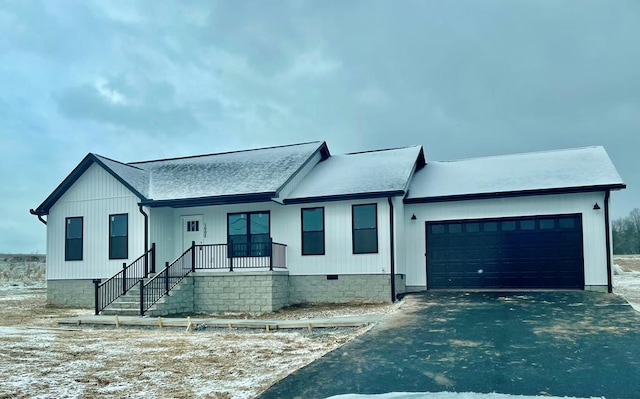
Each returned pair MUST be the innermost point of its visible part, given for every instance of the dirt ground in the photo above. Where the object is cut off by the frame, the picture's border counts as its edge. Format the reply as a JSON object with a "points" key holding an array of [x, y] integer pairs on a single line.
{"points": [[38, 359], [626, 278]]}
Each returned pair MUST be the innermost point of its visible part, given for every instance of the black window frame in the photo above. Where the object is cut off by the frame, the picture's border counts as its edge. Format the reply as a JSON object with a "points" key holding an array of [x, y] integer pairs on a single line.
{"points": [[67, 258], [251, 249], [113, 256], [354, 250], [304, 237]]}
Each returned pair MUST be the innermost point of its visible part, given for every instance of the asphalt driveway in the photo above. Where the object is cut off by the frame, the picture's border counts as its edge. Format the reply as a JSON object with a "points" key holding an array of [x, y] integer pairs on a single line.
{"points": [[580, 344]]}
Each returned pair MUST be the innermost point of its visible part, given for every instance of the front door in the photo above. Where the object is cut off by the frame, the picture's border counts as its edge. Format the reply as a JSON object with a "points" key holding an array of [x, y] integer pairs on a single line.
{"points": [[192, 230]]}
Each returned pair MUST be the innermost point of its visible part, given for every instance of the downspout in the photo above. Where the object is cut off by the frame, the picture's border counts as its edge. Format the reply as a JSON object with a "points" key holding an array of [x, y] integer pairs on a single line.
{"points": [[392, 251], [31, 211], [146, 229], [607, 230]]}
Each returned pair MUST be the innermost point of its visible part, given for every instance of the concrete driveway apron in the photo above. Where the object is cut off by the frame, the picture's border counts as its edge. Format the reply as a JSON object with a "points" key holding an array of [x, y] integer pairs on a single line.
{"points": [[579, 344]]}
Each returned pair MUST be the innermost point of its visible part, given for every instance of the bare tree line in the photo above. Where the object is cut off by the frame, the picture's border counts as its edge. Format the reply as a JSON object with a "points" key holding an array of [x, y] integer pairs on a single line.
{"points": [[626, 234]]}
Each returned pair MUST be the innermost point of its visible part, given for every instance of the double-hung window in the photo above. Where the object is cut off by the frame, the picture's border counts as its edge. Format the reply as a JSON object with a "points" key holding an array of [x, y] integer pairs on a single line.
{"points": [[248, 234], [73, 239], [119, 236], [365, 228], [312, 231]]}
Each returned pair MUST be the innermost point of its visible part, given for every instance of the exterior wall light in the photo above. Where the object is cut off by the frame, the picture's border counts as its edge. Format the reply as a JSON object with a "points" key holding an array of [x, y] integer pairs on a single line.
{"points": [[596, 207], [413, 217]]}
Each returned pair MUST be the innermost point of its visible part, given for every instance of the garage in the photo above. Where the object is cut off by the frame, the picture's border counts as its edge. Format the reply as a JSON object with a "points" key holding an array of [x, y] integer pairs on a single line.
{"points": [[533, 252]]}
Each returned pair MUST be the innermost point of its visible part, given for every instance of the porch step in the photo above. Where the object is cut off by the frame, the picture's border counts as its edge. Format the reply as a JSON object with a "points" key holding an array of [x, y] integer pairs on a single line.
{"points": [[129, 304]]}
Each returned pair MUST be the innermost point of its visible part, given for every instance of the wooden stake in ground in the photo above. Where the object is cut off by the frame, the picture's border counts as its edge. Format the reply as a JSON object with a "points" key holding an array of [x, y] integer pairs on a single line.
{"points": [[188, 323], [117, 322], [159, 322]]}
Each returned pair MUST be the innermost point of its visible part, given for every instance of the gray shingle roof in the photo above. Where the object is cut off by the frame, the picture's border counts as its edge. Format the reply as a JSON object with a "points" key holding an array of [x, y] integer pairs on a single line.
{"points": [[257, 171], [560, 169], [384, 171]]}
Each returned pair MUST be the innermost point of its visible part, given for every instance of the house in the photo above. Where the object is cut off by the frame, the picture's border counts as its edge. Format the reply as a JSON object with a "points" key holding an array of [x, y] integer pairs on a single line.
{"points": [[257, 230]]}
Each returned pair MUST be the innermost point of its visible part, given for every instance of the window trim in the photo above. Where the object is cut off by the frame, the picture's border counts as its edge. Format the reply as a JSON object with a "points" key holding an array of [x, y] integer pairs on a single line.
{"points": [[302, 231], [248, 234], [66, 239], [126, 241], [353, 229]]}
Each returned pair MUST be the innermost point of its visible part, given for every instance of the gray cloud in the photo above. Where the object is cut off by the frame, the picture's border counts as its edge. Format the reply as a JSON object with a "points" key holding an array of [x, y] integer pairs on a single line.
{"points": [[171, 78]]}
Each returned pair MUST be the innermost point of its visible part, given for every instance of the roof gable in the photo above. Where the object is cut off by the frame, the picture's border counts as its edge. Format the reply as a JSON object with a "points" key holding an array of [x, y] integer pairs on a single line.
{"points": [[131, 179], [580, 169], [360, 175]]}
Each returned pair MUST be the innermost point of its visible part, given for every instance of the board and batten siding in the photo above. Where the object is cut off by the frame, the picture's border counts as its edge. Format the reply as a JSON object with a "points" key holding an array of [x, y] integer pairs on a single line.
{"points": [[94, 196], [593, 225], [162, 233], [286, 229]]}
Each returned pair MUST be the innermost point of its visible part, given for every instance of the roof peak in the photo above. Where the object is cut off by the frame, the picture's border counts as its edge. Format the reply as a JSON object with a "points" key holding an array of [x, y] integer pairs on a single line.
{"points": [[382, 149], [100, 157], [521, 153], [223, 153]]}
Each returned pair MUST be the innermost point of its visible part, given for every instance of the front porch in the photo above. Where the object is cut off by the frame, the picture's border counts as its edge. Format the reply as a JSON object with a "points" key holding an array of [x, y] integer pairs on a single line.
{"points": [[252, 276]]}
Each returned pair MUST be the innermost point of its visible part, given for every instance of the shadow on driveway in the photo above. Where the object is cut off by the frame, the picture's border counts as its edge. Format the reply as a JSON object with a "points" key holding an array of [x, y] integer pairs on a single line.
{"points": [[541, 343]]}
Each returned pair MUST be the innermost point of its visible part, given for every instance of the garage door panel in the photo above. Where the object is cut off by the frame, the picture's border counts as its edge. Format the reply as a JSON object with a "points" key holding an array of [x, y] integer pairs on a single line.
{"points": [[526, 253]]}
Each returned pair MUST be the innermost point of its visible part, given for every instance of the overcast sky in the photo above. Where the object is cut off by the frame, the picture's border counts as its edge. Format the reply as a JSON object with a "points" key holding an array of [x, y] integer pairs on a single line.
{"points": [[146, 79]]}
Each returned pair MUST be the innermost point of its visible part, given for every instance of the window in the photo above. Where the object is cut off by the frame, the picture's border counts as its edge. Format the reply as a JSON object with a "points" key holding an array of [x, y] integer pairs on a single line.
{"points": [[193, 225], [528, 224], [455, 228], [365, 228], [508, 225], [472, 227], [313, 231], [248, 234], [490, 226], [567, 223], [119, 236], [73, 239], [547, 224]]}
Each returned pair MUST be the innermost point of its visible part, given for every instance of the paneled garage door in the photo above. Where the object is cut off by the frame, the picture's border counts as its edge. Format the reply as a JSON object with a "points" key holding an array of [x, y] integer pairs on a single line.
{"points": [[543, 252]]}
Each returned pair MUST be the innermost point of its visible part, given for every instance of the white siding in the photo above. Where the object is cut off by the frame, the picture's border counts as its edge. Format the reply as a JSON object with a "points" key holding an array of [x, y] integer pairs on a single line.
{"points": [[595, 260], [288, 188], [94, 196], [339, 257], [286, 229], [161, 232]]}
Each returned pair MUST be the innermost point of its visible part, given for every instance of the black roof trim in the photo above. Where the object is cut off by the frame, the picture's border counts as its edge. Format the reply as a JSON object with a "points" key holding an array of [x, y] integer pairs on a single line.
{"points": [[324, 154], [510, 194], [381, 150], [204, 201], [223, 153], [343, 197], [75, 174]]}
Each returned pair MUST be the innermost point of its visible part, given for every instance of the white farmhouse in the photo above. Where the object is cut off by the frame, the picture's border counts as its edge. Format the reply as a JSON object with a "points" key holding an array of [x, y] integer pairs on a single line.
{"points": [[260, 229]]}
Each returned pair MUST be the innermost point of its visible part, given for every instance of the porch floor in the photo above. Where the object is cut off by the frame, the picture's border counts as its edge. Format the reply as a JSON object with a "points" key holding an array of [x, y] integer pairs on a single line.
{"points": [[183, 322]]}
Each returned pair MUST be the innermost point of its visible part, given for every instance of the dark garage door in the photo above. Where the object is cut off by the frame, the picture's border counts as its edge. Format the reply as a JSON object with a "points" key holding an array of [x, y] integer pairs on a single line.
{"points": [[542, 252]]}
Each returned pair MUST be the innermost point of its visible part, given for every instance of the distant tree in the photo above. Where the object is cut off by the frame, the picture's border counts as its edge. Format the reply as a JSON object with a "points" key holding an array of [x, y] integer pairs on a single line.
{"points": [[626, 234]]}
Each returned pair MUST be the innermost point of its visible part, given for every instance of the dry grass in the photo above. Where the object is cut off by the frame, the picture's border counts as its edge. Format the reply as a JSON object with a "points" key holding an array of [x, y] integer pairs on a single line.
{"points": [[40, 360]]}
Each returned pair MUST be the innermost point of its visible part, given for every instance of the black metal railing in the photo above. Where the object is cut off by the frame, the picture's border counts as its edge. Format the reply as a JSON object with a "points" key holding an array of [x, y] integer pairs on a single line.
{"points": [[111, 289], [241, 256], [269, 254], [160, 284]]}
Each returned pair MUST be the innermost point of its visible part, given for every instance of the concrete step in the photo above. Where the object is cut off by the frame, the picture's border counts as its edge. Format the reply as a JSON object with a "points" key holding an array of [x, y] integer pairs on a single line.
{"points": [[110, 311]]}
